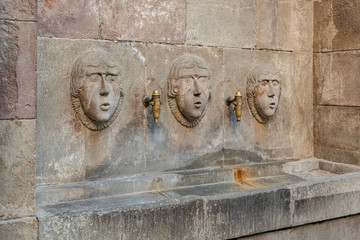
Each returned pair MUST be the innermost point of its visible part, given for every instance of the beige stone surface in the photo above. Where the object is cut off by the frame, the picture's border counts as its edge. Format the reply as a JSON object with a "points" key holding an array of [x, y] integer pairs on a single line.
{"points": [[17, 67], [284, 25], [68, 19], [18, 10], [145, 20], [228, 23], [336, 78], [289, 133], [338, 128], [67, 151], [336, 25], [324, 27], [17, 168], [19, 229]]}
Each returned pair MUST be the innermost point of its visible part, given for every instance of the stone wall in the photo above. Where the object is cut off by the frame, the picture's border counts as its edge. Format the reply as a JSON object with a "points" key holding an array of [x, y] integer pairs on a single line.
{"points": [[146, 37], [17, 119], [336, 82], [315, 44]]}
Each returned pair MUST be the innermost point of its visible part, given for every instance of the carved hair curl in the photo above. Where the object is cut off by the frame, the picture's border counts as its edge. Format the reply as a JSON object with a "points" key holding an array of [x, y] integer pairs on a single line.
{"points": [[187, 61], [88, 59]]}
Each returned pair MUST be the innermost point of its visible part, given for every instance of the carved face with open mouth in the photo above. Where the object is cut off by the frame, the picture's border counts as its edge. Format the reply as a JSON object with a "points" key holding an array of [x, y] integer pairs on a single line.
{"points": [[193, 92], [188, 89], [98, 99], [95, 88], [267, 95], [263, 91]]}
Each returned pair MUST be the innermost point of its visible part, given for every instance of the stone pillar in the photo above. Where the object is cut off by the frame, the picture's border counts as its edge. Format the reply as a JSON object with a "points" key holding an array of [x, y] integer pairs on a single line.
{"points": [[17, 119], [336, 80]]}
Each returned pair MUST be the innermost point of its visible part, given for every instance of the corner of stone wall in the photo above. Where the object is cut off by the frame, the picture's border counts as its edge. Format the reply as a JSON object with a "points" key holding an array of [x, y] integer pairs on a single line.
{"points": [[17, 119]]}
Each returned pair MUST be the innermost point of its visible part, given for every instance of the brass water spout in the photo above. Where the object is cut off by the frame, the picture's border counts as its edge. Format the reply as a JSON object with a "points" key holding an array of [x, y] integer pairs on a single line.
{"points": [[237, 101], [154, 101]]}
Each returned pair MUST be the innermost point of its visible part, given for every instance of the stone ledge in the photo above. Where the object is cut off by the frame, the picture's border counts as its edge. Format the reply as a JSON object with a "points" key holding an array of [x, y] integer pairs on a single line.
{"points": [[223, 210]]}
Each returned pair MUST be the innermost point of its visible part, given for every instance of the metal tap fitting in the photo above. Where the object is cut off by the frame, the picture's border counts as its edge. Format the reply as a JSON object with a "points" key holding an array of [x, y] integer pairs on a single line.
{"points": [[154, 101], [237, 101]]}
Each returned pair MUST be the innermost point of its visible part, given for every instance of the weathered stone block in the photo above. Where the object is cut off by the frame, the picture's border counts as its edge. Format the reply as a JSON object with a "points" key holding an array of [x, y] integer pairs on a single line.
{"points": [[146, 21], [17, 168], [337, 128], [336, 25], [170, 145], [319, 201], [67, 150], [17, 70], [288, 134], [258, 211], [228, 23], [18, 10], [133, 217], [336, 78], [343, 228], [284, 25], [337, 155], [23, 228], [69, 19]]}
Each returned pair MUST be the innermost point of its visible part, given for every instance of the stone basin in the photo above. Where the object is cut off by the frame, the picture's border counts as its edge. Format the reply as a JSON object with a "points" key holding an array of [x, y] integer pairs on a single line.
{"points": [[208, 203], [206, 181]]}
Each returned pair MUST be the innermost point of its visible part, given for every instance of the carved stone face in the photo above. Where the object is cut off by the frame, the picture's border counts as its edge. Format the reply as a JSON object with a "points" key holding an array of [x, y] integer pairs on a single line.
{"points": [[100, 92], [188, 89], [95, 89], [263, 91], [267, 95], [193, 92]]}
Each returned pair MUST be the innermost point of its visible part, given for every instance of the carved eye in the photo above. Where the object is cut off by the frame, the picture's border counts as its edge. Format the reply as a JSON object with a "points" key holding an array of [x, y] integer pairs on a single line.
{"points": [[275, 83], [95, 77], [202, 79], [188, 80], [110, 78], [264, 82]]}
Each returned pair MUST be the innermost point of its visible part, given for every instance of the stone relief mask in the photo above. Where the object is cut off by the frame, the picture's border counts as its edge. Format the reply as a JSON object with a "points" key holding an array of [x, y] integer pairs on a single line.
{"points": [[263, 91], [96, 89], [188, 89]]}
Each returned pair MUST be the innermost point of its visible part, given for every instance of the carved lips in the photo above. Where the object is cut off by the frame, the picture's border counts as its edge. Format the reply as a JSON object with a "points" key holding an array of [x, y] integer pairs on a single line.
{"points": [[105, 106], [198, 104], [272, 105]]}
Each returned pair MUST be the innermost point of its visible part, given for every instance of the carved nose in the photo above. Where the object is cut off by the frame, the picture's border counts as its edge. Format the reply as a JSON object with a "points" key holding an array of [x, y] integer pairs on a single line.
{"points": [[271, 91], [104, 90], [197, 87]]}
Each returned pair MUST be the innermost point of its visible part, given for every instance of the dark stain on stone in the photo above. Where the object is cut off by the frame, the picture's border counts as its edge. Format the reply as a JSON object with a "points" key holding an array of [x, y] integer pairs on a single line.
{"points": [[120, 161], [75, 122], [302, 206], [240, 156], [18, 123], [9, 53], [213, 159], [2, 166], [347, 21]]}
